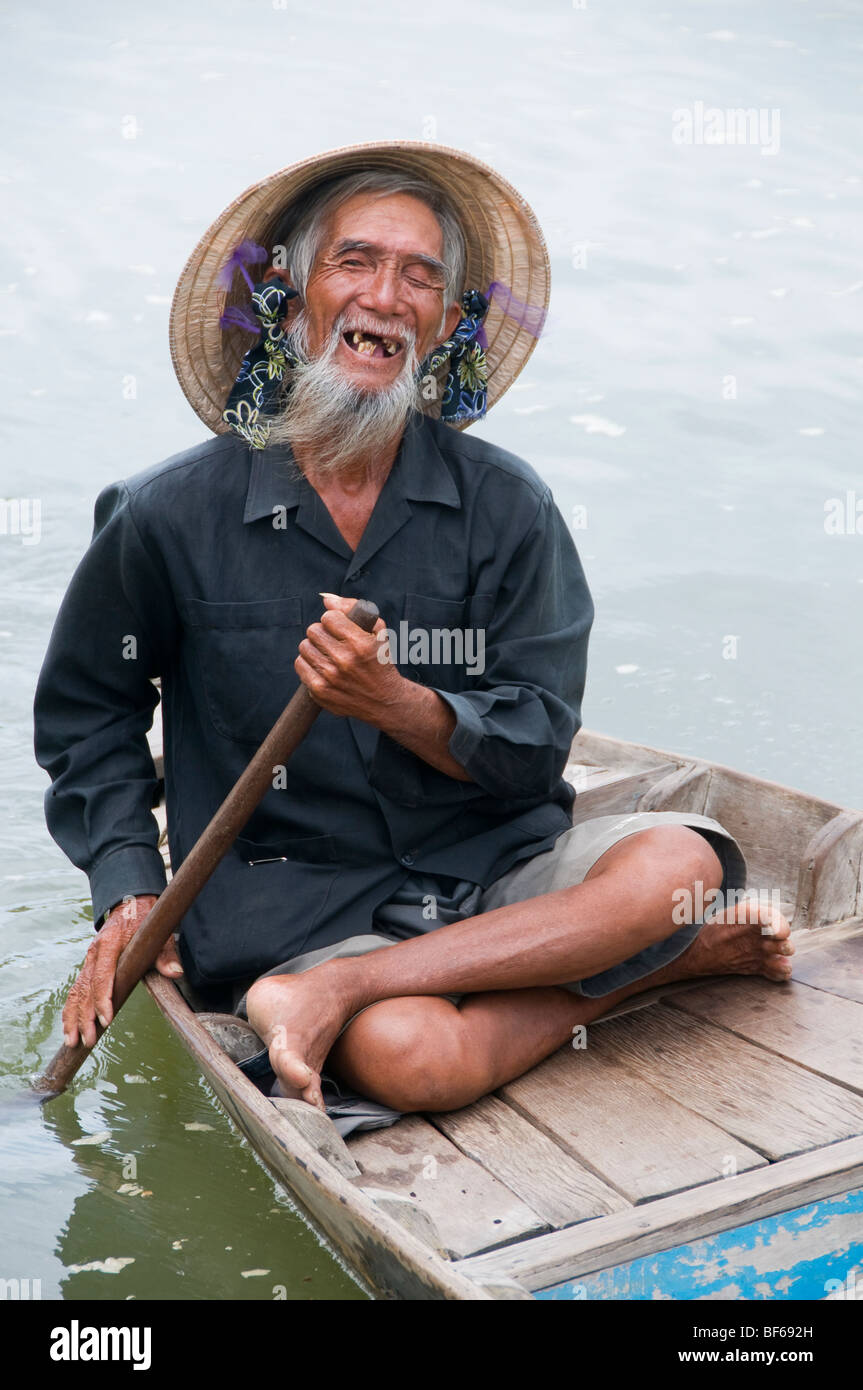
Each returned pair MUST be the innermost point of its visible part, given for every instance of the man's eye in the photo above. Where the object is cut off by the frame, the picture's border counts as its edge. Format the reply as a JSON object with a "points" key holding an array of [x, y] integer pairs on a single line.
{"points": [[354, 263]]}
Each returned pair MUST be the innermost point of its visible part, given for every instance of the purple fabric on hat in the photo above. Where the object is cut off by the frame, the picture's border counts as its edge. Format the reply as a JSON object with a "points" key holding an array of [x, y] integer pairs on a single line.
{"points": [[528, 316], [234, 317], [246, 253]]}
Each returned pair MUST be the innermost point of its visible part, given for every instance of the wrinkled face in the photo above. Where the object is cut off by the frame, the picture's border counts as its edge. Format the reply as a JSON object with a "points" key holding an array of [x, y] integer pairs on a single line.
{"points": [[379, 276]]}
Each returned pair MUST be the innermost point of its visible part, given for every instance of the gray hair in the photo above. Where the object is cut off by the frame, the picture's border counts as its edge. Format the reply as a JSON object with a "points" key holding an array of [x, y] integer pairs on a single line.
{"points": [[302, 232]]}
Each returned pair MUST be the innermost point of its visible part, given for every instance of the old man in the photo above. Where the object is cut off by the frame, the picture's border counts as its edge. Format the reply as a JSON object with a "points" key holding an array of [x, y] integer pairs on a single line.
{"points": [[409, 919]]}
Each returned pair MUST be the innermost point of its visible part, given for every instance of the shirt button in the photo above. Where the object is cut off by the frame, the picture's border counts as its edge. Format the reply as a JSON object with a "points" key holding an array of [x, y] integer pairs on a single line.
{"points": [[407, 858]]}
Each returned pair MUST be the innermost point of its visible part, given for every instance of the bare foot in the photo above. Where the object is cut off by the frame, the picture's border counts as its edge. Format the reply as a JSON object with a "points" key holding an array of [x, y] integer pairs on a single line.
{"points": [[750, 938], [299, 1018]]}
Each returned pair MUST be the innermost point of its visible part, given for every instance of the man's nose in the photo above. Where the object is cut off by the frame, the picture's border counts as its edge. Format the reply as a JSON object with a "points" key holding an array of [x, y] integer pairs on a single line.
{"points": [[382, 292]]}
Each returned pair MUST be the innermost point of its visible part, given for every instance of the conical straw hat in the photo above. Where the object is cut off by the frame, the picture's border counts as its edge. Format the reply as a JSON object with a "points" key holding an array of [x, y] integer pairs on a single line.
{"points": [[503, 239]]}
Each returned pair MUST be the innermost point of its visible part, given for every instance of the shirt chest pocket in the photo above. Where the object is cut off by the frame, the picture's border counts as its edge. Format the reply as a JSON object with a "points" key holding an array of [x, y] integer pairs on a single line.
{"points": [[442, 642], [244, 654]]}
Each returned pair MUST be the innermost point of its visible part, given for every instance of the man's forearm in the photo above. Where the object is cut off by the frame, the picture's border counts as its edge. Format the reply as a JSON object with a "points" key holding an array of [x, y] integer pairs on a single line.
{"points": [[422, 722]]}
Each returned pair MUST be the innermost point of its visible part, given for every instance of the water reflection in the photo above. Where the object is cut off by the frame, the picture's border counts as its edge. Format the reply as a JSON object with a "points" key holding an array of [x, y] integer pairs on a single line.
{"points": [[151, 1187]]}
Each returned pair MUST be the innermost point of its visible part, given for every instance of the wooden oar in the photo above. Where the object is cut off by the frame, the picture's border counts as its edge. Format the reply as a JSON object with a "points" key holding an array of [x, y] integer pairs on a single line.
{"points": [[163, 919]]}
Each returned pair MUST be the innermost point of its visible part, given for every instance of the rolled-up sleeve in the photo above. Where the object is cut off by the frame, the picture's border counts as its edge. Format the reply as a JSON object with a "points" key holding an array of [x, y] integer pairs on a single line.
{"points": [[513, 733], [94, 702]]}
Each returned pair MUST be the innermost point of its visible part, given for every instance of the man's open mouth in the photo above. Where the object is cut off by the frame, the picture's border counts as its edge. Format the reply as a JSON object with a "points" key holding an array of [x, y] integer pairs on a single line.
{"points": [[372, 344]]}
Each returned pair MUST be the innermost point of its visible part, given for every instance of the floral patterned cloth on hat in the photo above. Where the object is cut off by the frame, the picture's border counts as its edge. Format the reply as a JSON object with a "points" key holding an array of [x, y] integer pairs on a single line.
{"points": [[465, 391], [263, 367]]}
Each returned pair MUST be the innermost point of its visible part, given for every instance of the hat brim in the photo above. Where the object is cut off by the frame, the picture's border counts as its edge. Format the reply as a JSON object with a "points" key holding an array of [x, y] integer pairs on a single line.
{"points": [[504, 242]]}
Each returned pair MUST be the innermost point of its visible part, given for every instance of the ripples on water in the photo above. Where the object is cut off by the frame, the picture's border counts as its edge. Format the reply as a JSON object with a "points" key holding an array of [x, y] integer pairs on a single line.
{"points": [[675, 269]]}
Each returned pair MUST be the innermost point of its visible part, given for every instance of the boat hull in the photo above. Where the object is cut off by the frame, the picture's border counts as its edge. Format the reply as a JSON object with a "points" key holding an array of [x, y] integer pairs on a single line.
{"points": [[809, 1252]]}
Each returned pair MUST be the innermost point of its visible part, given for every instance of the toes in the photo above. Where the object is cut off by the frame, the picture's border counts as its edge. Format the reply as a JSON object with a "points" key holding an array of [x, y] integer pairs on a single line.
{"points": [[779, 948], [281, 1091], [778, 969], [778, 951], [313, 1095], [774, 926], [289, 1066], [292, 1070]]}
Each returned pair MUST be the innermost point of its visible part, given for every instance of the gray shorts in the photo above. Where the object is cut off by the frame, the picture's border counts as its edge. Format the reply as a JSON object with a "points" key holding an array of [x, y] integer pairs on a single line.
{"points": [[424, 903]]}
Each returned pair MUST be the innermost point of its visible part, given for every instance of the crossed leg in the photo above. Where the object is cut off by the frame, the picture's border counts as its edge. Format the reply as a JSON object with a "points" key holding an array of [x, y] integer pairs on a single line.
{"points": [[413, 1050]]}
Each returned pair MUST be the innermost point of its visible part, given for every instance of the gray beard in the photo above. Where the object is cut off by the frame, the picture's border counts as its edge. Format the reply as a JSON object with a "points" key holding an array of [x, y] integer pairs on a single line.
{"points": [[337, 423]]}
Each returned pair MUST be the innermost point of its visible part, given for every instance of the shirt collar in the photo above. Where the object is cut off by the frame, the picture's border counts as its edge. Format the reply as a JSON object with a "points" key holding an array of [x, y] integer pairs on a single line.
{"points": [[419, 474]]}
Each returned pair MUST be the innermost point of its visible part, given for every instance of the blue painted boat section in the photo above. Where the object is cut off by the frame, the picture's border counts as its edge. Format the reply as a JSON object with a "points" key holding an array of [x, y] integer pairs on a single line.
{"points": [[806, 1253]]}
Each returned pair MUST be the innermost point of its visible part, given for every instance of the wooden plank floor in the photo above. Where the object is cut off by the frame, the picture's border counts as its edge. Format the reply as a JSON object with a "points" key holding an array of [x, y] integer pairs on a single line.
{"points": [[634, 1135], [819, 1031], [771, 1104], [836, 969], [724, 1078], [470, 1209]]}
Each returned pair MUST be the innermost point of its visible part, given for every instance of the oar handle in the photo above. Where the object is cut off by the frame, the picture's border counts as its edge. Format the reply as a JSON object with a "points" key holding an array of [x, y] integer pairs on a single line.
{"points": [[163, 919]]}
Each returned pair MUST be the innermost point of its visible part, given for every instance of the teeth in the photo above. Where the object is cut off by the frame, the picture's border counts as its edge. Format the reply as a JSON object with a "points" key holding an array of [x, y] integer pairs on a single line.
{"points": [[367, 345]]}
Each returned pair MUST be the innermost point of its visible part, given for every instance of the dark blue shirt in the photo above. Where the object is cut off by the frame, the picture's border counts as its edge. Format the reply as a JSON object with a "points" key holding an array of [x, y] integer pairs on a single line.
{"points": [[205, 571]]}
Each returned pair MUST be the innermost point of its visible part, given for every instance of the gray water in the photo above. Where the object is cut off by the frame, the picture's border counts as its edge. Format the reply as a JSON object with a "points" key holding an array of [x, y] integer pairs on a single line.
{"points": [[694, 401]]}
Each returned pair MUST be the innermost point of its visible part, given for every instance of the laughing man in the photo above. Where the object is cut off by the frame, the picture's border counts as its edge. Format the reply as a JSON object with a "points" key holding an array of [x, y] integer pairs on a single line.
{"points": [[409, 919]]}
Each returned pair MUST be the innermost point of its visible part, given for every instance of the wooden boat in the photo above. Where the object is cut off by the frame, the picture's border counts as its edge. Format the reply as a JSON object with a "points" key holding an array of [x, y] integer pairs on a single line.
{"points": [[708, 1143]]}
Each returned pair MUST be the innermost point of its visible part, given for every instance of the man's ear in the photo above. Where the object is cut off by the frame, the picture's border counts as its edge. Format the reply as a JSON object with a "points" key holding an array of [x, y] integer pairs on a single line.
{"points": [[283, 275], [453, 314], [294, 305]]}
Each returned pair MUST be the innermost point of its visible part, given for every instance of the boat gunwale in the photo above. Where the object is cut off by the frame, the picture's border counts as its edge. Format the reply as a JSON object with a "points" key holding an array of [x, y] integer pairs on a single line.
{"points": [[683, 758]]}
